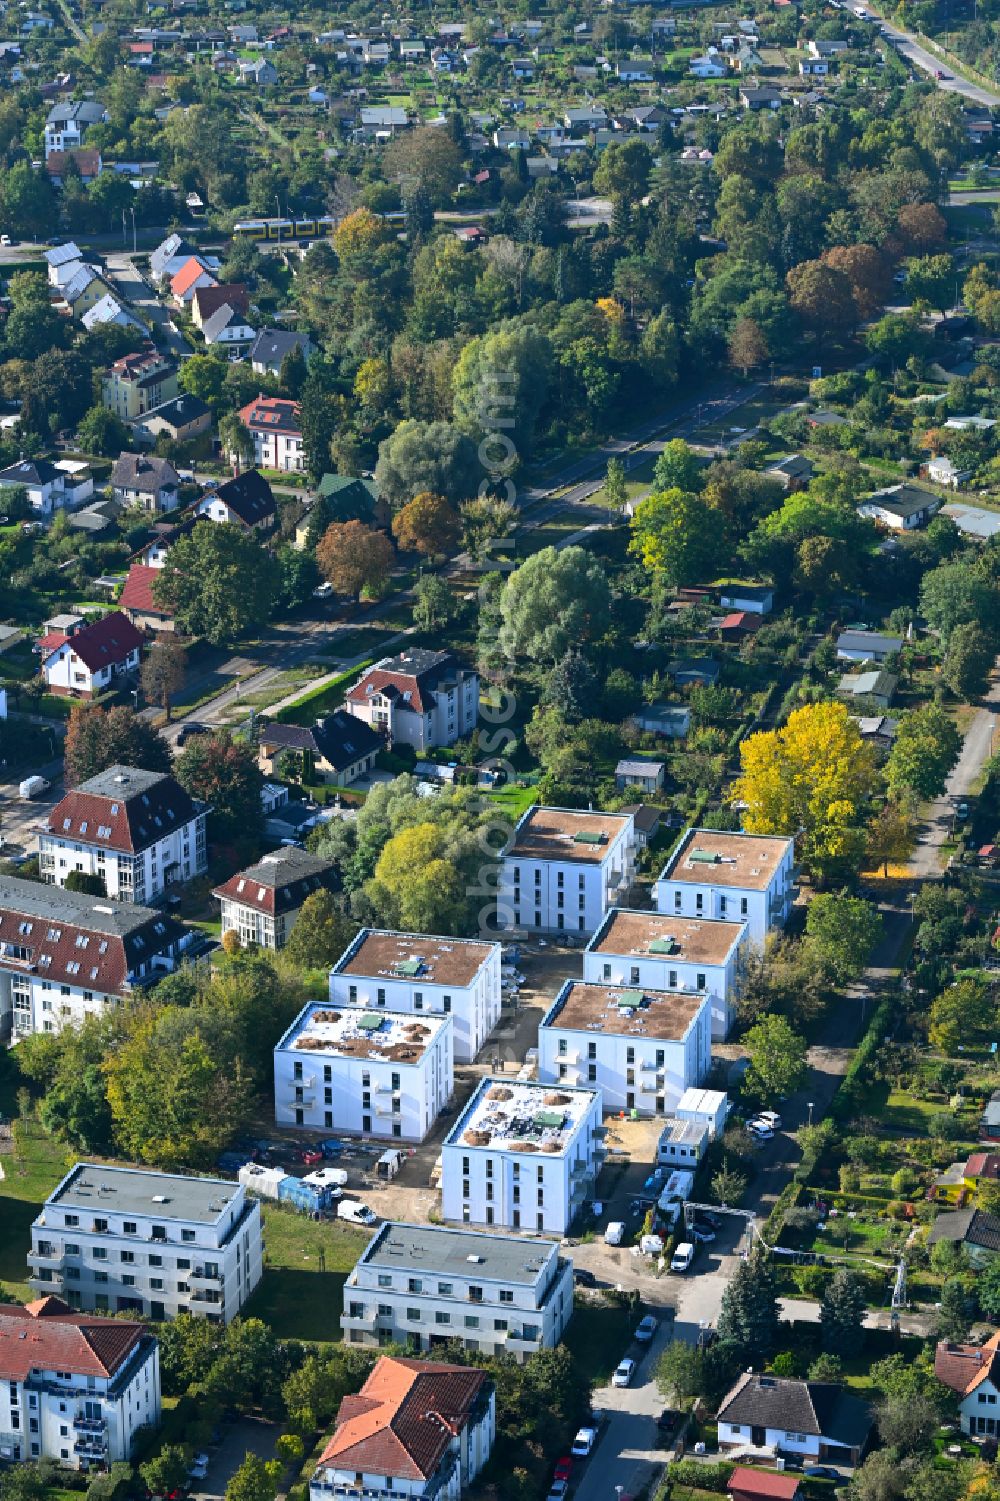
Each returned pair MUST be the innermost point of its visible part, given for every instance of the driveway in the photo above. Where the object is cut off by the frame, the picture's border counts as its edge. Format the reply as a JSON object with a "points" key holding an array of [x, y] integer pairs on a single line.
{"points": [[627, 1453], [133, 286], [248, 1436], [977, 747], [907, 45]]}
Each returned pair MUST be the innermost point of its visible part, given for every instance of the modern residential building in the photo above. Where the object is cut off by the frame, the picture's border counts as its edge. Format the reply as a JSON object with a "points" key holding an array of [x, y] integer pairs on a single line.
{"points": [[420, 698], [417, 1430], [245, 500], [138, 383], [139, 830], [262, 903], [564, 868], [641, 1048], [144, 480], [159, 1244], [422, 1285], [658, 951], [337, 747], [68, 122], [65, 955], [522, 1155], [736, 877], [89, 662], [371, 1073], [274, 425], [79, 1389], [816, 1421], [421, 975]]}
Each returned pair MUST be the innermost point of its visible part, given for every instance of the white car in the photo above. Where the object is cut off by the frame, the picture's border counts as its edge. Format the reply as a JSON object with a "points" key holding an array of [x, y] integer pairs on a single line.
{"points": [[557, 1490], [624, 1371], [770, 1118], [583, 1443], [760, 1129]]}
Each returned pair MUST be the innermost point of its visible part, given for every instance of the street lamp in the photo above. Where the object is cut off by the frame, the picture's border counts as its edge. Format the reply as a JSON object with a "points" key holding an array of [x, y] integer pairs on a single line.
{"points": [[809, 1107]]}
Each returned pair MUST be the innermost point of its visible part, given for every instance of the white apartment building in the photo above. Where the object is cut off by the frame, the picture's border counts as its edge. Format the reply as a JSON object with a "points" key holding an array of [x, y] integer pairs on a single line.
{"points": [[420, 698], [422, 1285], [663, 952], [640, 1048], [79, 1389], [737, 877], [65, 955], [564, 868], [161, 1244], [522, 1155], [139, 830], [363, 1073], [456, 977]]}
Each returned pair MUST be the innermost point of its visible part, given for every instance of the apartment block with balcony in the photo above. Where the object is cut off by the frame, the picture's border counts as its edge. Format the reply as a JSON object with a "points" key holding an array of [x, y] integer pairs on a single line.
{"points": [[737, 877], [456, 977], [641, 1048], [523, 1156], [78, 1390], [423, 1285], [663, 952], [364, 1073], [129, 1239], [564, 869]]}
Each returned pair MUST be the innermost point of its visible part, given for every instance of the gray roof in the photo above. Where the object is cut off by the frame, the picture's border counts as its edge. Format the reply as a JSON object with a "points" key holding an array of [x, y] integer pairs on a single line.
{"points": [[111, 783], [272, 345], [132, 1190], [868, 641], [145, 473], [971, 1227], [179, 411], [903, 500], [284, 865], [638, 766], [812, 1407], [432, 1248], [221, 319], [30, 472], [83, 111], [876, 681], [98, 914]]}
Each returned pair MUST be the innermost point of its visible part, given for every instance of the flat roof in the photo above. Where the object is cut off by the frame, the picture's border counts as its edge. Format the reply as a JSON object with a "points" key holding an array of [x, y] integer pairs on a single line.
{"points": [[353, 1032], [711, 857], [566, 834], [410, 956], [707, 1101], [517, 1115], [657, 935], [463, 1253], [623, 1010], [133, 1190]]}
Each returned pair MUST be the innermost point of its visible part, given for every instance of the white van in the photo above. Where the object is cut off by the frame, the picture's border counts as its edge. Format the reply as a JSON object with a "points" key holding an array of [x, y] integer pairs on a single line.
{"points": [[614, 1233], [682, 1257], [356, 1213]]}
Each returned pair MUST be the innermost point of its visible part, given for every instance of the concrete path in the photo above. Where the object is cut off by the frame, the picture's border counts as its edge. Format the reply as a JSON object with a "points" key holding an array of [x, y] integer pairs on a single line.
{"points": [[247, 1436]]}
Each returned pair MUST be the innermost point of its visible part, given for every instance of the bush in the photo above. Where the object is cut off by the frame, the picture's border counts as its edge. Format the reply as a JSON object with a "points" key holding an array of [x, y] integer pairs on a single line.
{"points": [[903, 1182], [849, 1093], [701, 1477]]}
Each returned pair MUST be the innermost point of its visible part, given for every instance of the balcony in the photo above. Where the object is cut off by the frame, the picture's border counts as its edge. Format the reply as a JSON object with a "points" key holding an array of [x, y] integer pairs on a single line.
{"points": [[519, 1343], [384, 1107], [359, 1320], [647, 1065], [308, 1082], [50, 1258], [648, 1086], [52, 1283], [85, 1425], [202, 1274]]}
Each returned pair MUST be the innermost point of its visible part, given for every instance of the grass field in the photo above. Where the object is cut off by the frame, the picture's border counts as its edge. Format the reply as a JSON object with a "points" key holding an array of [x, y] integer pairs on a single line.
{"points": [[598, 1336], [30, 1174], [296, 1298], [514, 800]]}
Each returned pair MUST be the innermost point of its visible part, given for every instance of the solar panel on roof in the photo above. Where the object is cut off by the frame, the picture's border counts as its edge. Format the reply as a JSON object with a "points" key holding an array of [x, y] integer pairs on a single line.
{"points": [[664, 946], [587, 837]]}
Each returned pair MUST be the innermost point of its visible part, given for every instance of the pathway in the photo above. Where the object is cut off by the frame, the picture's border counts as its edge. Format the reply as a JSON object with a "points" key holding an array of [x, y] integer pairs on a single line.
{"points": [[938, 66], [926, 861]]}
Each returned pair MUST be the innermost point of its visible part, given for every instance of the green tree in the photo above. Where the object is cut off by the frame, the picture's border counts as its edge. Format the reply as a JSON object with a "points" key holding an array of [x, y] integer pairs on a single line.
{"points": [[954, 594], [255, 1480], [86, 882], [841, 1315], [321, 932], [678, 467], [557, 598], [98, 738], [502, 383], [222, 771], [218, 583], [842, 931], [926, 748], [163, 672], [748, 1316], [728, 1185], [166, 1471], [571, 687], [988, 1288], [969, 661], [434, 603], [615, 488], [432, 456], [236, 439], [962, 1015], [676, 533], [204, 376], [485, 521], [102, 432], [679, 1371], [931, 278], [623, 170], [777, 1058]]}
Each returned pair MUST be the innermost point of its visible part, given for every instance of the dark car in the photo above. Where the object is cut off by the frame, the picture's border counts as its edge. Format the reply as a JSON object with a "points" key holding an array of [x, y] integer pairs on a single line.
{"points": [[231, 1162], [188, 731], [667, 1423], [583, 1278], [822, 1472]]}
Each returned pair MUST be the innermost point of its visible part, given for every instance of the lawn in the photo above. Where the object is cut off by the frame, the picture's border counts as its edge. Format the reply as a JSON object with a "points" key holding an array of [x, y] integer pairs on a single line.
{"points": [[320, 700], [597, 1336], [514, 800], [31, 1172], [306, 1265]]}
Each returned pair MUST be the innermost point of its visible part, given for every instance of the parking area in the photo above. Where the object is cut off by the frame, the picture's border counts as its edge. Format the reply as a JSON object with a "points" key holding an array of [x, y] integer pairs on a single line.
{"points": [[248, 1436]]}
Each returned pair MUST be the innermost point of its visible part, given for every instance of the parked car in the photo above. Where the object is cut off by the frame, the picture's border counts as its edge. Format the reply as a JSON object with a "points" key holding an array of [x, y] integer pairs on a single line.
{"points": [[770, 1118], [564, 1468], [646, 1329], [585, 1440], [583, 1278], [557, 1490], [822, 1472], [667, 1423], [310, 1156], [703, 1234], [624, 1371], [760, 1129], [189, 730]]}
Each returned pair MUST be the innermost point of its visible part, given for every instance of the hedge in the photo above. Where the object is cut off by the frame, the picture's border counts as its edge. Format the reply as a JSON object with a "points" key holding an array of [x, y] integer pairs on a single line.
{"points": [[705, 1477], [851, 1088], [319, 700]]}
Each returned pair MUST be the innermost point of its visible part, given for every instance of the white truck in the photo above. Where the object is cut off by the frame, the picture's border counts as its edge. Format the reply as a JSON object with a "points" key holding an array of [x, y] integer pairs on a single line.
{"points": [[676, 1191], [682, 1257], [34, 787], [614, 1233], [355, 1213]]}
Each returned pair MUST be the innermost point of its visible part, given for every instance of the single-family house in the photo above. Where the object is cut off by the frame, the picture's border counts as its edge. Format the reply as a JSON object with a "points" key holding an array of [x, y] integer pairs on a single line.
{"points": [[68, 122], [83, 162], [419, 698], [137, 600], [274, 425], [877, 686], [63, 262], [754, 599], [88, 662], [44, 483], [262, 903], [812, 1420], [943, 471], [208, 300], [686, 672], [709, 65], [670, 721], [272, 347], [972, 1372], [792, 472], [901, 507], [825, 418], [760, 96], [227, 330], [867, 646], [261, 72], [586, 118], [186, 281], [338, 747], [636, 771], [181, 418], [143, 480], [108, 309], [972, 1230], [245, 500]]}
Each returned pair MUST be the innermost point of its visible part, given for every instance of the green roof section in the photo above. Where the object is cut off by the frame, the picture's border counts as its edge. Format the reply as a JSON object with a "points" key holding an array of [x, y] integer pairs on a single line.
{"points": [[370, 1022], [664, 946], [585, 837], [409, 967], [703, 857], [547, 1120], [630, 1000]]}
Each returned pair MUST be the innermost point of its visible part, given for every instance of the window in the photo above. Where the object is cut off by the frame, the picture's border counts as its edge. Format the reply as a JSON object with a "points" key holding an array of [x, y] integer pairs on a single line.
{"points": [[384, 1279], [633, 976], [415, 1285], [445, 1289], [630, 1055], [744, 906], [413, 1314], [442, 1318], [352, 994], [418, 1000], [699, 902], [591, 1049], [446, 1003], [700, 981], [506, 1295], [677, 901]]}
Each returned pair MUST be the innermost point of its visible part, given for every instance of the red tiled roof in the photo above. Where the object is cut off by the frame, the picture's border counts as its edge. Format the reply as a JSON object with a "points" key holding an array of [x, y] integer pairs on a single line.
{"points": [[208, 300], [49, 1336], [404, 1418], [137, 592], [88, 162], [982, 1165], [760, 1483], [100, 961], [963, 1367], [52, 642], [271, 414], [393, 685], [134, 365], [105, 642], [135, 819], [188, 275]]}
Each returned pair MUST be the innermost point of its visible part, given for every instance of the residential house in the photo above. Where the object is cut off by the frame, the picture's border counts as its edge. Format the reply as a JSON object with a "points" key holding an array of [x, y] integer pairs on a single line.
{"points": [[634, 950], [227, 330], [274, 425], [669, 721], [86, 164], [688, 672], [81, 1389], [645, 822], [138, 383], [84, 290], [138, 603], [192, 274], [733, 876], [260, 71], [762, 96], [972, 1230], [62, 262], [415, 1284], [943, 471], [811, 67], [972, 1372], [246, 500], [68, 121], [44, 483], [78, 481], [380, 122], [642, 1048], [792, 472], [709, 65], [159, 1244], [87, 663], [108, 309], [363, 1073], [814, 1421], [337, 747], [637, 771], [826, 49], [877, 729], [564, 868], [423, 975], [146, 481], [522, 1156], [139, 830], [272, 347], [36, 21], [182, 418], [738, 624], [867, 646], [877, 686], [989, 1121], [825, 418], [417, 1429], [419, 698], [634, 72], [753, 599], [169, 256], [900, 507], [586, 118], [981, 1165], [65, 955], [208, 300], [262, 903]]}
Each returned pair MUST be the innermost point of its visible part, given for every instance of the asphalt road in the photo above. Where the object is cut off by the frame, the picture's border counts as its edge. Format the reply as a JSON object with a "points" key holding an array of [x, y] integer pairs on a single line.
{"points": [[977, 747], [907, 45], [128, 280], [627, 1452]]}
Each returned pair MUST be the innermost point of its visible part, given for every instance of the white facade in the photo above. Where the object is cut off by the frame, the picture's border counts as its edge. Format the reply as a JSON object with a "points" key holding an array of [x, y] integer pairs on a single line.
{"points": [[662, 952], [67, 673], [179, 855], [278, 450], [363, 1073], [420, 698], [161, 1244], [732, 877], [78, 1419], [456, 977], [564, 869], [417, 1285], [512, 1160], [641, 1048]]}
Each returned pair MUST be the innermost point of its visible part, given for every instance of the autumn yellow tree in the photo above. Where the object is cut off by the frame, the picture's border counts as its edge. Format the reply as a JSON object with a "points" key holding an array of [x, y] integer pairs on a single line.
{"points": [[358, 236], [812, 778], [427, 524], [415, 883]]}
